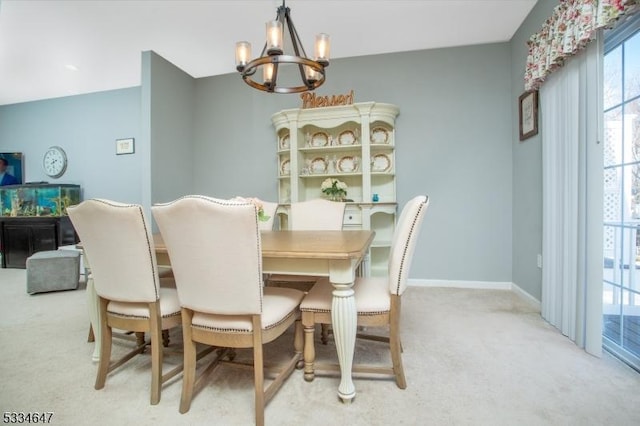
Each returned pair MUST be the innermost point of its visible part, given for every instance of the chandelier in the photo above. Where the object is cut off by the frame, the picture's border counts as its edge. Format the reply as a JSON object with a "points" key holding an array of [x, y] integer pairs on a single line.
{"points": [[312, 72]]}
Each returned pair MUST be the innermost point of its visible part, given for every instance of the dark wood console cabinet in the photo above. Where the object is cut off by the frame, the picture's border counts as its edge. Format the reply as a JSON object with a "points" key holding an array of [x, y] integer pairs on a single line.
{"points": [[21, 237]]}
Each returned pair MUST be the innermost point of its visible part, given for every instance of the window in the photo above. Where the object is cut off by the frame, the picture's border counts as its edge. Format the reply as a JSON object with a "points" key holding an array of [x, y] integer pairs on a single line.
{"points": [[621, 287]]}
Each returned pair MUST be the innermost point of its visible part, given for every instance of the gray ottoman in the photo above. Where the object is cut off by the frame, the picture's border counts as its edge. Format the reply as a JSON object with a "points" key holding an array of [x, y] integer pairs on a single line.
{"points": [[52, 271]]}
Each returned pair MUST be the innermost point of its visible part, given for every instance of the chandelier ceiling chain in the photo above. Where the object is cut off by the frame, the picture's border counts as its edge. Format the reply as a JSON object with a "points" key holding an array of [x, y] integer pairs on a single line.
{"points": [[312, 72]]}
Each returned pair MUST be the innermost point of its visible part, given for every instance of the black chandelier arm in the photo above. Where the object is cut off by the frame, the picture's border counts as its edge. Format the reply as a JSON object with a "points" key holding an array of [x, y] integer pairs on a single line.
{"points": [[297, 45], [295, 38]]}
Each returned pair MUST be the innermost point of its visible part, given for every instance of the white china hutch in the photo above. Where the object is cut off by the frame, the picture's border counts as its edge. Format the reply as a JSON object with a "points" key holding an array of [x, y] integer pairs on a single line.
{"points": [[353, 143]]}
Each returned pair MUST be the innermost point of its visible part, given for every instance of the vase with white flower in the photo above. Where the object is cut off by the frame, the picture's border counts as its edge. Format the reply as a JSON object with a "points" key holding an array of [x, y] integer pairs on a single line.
{"points": [[334, 189]]}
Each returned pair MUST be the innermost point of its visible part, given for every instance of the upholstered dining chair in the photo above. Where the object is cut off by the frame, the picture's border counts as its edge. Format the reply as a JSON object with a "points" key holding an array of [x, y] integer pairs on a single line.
{"points": [[215, 251], [312, 215], [117, 239], [377, 298], [317, 215]]}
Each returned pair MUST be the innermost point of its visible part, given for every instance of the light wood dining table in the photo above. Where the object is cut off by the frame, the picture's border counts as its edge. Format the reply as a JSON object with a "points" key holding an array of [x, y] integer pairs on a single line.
{"points": [[334, 254]]}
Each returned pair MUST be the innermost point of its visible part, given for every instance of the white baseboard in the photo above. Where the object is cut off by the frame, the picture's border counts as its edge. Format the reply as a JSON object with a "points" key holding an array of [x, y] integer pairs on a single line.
{"points": [[479, 285], [526, 296]]}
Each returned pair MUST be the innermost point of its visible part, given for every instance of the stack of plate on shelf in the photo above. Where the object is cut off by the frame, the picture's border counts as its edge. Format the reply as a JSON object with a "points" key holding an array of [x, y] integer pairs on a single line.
{"points": [[380, 163], [379, 135], [318, 139], [318, 166], [285, 168], [348, 137], [347, 164], [284, 142]]}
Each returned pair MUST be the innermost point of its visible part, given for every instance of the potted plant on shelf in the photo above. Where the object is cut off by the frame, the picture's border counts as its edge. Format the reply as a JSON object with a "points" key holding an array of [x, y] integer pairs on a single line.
{"points": [[334, 189]]}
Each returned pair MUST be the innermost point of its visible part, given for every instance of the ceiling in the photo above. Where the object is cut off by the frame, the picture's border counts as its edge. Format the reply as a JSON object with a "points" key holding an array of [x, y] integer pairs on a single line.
{"points": [[55, 48]]}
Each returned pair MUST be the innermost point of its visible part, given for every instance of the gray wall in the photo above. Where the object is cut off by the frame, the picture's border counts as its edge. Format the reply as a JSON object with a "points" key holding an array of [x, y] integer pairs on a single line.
{"points": [[527, 166], [453, 139], [86, 127], [454, 143], [170, 114]]}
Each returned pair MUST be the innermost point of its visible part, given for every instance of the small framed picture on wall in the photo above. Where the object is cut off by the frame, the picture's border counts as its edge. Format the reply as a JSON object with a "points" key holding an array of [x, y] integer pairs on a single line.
{"points": [[528, 114], [125, 146]]}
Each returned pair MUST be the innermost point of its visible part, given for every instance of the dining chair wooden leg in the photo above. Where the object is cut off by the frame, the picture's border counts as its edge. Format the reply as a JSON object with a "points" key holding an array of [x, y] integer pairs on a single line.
{"points": [[189, 354], [105, 346], [156, 352], [308, 322], [324, 334], [395, 345], [139, 338], [298, 344], [91, 337], [258, 366]]}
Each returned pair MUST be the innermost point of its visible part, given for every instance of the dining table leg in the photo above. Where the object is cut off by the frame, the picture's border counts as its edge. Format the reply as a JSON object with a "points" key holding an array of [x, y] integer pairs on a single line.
{"points": [[344, 321], [93, 308]]}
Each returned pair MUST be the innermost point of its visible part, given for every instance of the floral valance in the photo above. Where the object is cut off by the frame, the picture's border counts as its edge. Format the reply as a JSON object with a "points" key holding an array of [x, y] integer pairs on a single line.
{"points": [[574, 24]]}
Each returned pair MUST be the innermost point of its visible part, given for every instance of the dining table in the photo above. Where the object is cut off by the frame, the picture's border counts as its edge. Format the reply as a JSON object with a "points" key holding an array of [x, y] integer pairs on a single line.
{"points": [[333, 254]]}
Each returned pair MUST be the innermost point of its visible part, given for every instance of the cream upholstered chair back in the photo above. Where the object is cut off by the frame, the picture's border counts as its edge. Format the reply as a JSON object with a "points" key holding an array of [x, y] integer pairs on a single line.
{"points": [[317, 215], [269, 210], [404, 242], [215, 252], [117, 239]]}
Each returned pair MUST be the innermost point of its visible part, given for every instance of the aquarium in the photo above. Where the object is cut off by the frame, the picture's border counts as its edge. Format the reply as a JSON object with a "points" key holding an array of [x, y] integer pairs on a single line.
{"points": [[38, 200]]}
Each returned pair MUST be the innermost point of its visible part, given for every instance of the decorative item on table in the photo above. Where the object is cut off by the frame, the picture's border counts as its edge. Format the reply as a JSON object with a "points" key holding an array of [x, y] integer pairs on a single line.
{"points": [[262, 217], [334, 189]]}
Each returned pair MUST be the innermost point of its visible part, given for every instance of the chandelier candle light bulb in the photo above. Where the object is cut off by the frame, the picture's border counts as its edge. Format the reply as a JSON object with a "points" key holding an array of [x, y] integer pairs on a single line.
{"points": [[243, 53], [322, 48], [312, 75], [274, 38], [267, 73]]}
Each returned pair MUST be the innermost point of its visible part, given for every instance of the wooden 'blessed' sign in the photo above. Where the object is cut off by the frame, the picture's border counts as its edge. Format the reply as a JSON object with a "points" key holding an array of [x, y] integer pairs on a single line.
{"points": [[311, 100]]}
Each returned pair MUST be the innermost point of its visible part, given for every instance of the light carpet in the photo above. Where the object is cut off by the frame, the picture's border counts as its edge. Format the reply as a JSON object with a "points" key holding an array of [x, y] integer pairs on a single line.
{"points": [[472, 357]]}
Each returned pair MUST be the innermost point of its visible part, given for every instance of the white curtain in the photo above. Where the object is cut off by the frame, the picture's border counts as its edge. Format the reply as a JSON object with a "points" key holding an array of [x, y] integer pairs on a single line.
{"points": [[571, 116]]}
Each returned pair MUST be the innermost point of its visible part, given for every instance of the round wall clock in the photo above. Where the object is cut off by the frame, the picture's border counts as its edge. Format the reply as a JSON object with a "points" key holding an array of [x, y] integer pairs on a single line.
{"points": [[54, 162]]}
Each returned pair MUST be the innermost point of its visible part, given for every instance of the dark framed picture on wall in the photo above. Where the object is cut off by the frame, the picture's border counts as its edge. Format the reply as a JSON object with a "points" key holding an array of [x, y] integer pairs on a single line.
{"points": [[11, 170], [528, 114]]}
